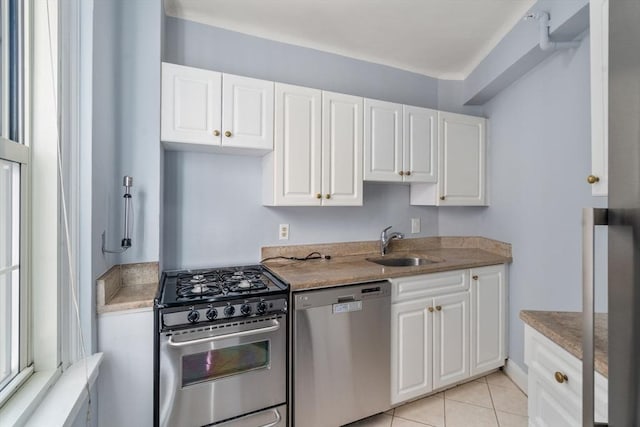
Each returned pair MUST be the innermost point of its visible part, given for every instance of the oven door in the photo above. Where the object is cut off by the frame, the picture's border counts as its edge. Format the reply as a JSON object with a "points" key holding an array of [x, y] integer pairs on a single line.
{"points": [[209, 375]]}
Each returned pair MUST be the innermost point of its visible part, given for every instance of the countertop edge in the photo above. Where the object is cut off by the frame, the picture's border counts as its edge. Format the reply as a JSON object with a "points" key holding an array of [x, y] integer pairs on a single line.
{"points": [[530, 318]]}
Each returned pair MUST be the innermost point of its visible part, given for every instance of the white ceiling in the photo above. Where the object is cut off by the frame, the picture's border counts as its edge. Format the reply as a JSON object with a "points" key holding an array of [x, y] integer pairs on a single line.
{"points": [[446, 39]]}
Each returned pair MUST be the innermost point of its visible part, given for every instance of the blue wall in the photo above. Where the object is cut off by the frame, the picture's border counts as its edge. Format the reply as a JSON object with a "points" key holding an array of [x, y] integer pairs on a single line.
{"points": [[202, 46], [214, 214], [225, 223], [539, 157]]}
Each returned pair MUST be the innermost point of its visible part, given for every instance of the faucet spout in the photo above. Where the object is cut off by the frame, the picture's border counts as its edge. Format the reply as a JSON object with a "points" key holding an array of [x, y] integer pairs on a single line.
{"points": [[385, 239]]}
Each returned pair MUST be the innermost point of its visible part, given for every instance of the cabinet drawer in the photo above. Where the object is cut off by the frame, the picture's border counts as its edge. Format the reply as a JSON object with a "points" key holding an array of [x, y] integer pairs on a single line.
{"points": [[544, 358], [409, 288]]}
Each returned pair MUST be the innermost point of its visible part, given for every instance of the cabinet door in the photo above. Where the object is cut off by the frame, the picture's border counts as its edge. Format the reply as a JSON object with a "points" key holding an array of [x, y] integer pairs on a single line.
{"points": [[461, 175], [341, 149], [488, 304], [599, 39], [548, 408], [420, 148], [382, 141], [298, 147], [450, 339], [190, 105], [411, 349], [125, 383], [247, 113]]}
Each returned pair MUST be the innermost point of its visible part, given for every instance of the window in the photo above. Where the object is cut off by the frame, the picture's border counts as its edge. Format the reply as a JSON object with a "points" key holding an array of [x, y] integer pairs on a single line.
{"points": [[14, 178]]}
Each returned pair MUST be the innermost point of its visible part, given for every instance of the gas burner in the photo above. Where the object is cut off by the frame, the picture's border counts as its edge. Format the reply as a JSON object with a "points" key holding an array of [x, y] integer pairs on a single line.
{"points": [[217, 284], [245, 285]]}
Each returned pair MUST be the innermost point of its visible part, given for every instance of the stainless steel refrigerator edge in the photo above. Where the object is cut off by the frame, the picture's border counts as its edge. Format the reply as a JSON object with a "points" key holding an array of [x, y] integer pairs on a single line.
{"points": [[341, 356], [623, 218]]}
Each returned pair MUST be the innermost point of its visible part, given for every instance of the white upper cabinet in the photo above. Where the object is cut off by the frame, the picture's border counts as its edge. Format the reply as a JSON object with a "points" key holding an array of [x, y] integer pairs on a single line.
{"points": [[191, 108], [341, 149], [216, 111], [400, 142], [461, 166], [293, 171], [420, 148], [317, 160], [599, 39], [247, 112], [383, 160]]}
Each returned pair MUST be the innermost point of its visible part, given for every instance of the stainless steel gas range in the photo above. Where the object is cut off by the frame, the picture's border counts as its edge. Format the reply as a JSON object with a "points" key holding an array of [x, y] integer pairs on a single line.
{"points": [[221, 348]]}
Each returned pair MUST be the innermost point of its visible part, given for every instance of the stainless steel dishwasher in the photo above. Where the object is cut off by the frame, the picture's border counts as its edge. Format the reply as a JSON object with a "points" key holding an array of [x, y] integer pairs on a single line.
{"points": [[341, 354]]}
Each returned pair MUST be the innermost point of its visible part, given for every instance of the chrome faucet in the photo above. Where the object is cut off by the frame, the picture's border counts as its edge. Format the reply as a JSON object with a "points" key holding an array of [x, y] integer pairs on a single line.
{"points": [[385, 239]]}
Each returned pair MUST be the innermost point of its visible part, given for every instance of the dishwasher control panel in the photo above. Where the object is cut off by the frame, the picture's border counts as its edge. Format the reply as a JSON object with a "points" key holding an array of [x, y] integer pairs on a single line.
{"points": [[342, 299]]}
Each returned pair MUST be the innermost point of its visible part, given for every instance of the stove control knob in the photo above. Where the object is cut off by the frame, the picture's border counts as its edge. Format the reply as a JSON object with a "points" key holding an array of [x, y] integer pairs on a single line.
{"points": [[193, 316], [245, 309], [212, 313], [262, 307], [229, 310]]}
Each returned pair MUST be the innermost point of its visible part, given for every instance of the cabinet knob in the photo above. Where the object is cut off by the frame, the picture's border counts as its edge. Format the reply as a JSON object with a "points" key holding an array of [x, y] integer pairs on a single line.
{"points": [[441, 197], [327, 196], [560, 377], [216, 132], [475, 277], [227, 134], [401, 173], [430, 309], [318, 196], [408, 173], [592, 179], [439, 307]]}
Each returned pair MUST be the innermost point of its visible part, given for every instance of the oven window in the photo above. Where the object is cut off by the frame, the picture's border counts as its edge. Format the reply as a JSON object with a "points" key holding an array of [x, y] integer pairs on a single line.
{"points": [[213, 364]]}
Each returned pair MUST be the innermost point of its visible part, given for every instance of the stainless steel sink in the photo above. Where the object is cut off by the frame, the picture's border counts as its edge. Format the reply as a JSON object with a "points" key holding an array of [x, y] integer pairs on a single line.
{"points": [[401, 262]]}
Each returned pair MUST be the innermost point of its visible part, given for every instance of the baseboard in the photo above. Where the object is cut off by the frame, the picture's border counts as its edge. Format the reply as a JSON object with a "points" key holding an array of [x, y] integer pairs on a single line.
{"points": [[517, 375]]}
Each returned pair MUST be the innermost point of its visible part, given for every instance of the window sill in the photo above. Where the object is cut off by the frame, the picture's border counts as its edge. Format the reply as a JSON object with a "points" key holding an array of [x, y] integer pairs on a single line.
{"points": [[63, 402], [48, 398]]}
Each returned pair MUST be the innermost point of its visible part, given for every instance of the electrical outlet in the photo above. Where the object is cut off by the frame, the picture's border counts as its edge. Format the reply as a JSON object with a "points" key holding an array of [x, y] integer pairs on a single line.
{"points": [[283, 233], [415, 225]]}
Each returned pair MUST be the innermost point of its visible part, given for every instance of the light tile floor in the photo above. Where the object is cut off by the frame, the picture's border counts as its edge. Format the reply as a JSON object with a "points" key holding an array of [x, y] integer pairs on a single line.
{"points": [[491, 401]]}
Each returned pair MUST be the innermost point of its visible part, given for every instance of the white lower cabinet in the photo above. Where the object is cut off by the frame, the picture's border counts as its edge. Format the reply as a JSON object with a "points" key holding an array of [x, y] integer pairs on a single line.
{"points": [[450, 339], [125, 383], [488, 317], [435, 324], [555, 384]]}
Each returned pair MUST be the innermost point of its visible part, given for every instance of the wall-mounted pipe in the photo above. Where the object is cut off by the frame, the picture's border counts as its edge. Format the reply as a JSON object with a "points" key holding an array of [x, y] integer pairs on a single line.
{"points": [[546, 44]]}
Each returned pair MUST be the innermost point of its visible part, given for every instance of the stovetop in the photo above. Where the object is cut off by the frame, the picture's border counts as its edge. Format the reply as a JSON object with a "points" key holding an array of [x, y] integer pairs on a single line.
{"points": [[188, 287]]}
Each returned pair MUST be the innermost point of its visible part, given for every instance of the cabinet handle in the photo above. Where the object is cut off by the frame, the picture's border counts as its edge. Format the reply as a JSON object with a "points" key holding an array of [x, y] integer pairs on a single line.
{"points": [[475, 277], [401, 173], [430, 309], [441, 197], [327, 196], [318, 196], [592, 179], [216, 132], [439, 307], [227, 134], [560, 377], [408, 173]]}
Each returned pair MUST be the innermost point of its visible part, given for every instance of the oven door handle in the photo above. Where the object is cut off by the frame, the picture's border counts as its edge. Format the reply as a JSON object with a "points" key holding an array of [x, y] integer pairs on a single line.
{"points": [[277, 421], [274, 327]]}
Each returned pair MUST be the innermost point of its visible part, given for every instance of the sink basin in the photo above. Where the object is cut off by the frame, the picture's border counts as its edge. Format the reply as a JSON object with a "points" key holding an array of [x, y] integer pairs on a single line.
{"points": [[401, 262]]}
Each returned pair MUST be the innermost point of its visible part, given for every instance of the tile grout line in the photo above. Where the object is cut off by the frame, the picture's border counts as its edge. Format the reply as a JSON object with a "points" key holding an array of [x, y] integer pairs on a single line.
{"points": [[495, 412]]}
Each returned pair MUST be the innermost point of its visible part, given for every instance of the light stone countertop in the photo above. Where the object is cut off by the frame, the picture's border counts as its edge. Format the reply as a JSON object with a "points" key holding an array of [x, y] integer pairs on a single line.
{"points": [[348, 263], [565, 329], [127, 287]]}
